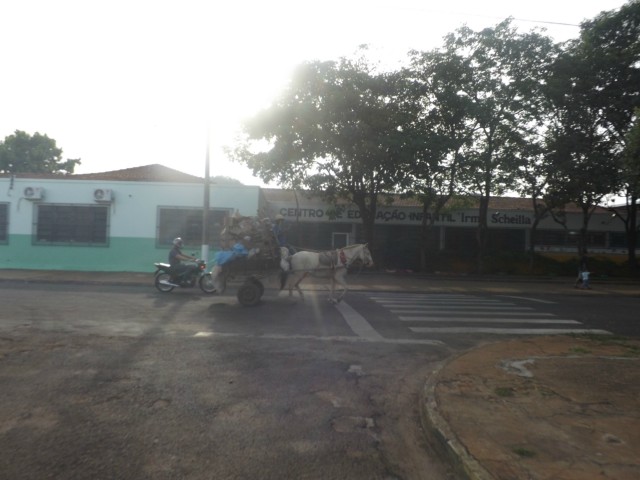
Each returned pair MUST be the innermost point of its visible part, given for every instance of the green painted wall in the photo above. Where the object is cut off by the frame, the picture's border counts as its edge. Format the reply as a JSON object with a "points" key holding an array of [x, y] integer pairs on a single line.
{"points": [[122, 255]]}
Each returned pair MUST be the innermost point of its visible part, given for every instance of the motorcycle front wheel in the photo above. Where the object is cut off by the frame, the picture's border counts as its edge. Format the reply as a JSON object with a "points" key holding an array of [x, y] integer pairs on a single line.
{"points": [[206, 283], [162, 282]]}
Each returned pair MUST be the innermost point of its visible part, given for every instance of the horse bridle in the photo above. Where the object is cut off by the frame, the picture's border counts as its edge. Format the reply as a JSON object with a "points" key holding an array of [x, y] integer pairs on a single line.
{"points": [[343, 258], [346, 261]]}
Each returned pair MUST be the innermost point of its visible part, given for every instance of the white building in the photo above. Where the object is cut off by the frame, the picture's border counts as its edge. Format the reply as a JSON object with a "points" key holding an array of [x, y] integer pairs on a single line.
{"points": [[114, 221], [398, 228]]}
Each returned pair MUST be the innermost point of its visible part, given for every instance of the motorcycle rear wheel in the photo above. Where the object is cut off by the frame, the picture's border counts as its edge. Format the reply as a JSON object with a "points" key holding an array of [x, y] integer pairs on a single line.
{"points": [[161, 282], [206, 283]]}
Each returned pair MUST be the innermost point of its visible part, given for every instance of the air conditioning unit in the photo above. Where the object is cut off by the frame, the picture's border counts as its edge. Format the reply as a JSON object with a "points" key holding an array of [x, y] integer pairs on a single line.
{"points": [[103, 195], [33, 193]]}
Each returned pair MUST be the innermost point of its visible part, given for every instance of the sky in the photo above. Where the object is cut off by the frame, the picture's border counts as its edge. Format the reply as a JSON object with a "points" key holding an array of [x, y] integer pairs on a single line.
{"points": [[126, 83]]}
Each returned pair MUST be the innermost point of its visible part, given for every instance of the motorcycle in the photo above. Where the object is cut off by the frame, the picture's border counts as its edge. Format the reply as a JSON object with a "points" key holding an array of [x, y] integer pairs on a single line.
{"points": [[165, 280]]}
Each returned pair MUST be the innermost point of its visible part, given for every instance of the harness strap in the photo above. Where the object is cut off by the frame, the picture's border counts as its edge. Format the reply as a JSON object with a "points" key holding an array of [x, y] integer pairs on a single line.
{"points": [[343, 257], [334, 259], [327, 258]]}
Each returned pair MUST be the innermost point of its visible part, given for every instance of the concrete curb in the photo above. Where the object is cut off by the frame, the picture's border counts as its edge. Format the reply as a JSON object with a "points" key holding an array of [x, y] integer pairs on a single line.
{"points": [[70, 281], [439, 433]]}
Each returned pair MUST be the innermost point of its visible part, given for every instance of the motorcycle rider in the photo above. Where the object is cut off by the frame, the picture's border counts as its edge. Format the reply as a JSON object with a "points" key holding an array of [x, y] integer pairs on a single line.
{"points": [[176, 257]]}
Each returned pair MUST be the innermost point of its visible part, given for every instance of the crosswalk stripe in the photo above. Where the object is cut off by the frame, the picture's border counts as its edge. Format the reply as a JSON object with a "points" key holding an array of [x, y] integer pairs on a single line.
{"points": [[510, 331], [461, 309], [488, 320], [475, 307], [421, 295], [357, 322], [446, 301], [461, 312], [467, 306], [529, 299]]}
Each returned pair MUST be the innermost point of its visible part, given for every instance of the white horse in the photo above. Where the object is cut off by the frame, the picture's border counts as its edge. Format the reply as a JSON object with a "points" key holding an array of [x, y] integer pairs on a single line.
{"points": [[331, 264]]}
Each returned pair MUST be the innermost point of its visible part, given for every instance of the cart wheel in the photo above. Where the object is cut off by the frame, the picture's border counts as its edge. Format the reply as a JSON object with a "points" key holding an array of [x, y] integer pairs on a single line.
{"points": [[249, 294], [259, 284]]}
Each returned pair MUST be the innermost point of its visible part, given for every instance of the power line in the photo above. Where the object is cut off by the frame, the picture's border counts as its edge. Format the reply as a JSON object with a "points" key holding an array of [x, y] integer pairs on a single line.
{"points": [[479, 15], [547, 22]]}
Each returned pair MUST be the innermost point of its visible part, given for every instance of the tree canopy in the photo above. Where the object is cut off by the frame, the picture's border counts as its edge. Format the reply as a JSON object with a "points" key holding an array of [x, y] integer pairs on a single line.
{"points": [[490, 112], [594, 88], [24, 153], [339, 129], [503, 76]]}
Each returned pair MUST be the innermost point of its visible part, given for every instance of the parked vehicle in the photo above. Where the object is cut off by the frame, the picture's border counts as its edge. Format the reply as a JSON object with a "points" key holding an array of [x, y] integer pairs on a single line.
{"points": [[165, 279]]}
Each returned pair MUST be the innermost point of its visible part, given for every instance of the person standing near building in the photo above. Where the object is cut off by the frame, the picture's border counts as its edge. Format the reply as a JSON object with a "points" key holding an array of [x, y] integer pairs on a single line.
{"points": [[582, 267], [585, 279], [278, 231], [280, 234]]}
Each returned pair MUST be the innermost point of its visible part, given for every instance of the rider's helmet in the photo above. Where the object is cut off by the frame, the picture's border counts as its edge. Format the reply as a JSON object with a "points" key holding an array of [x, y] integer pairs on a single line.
{"points": [[178, 242], [279, 217]]}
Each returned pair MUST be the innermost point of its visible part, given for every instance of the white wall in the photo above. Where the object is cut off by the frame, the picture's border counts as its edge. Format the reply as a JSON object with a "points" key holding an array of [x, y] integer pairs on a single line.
{"points": [[134, 205]]}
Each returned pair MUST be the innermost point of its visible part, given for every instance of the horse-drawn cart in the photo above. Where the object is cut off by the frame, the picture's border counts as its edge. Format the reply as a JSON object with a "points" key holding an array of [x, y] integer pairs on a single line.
{"points": [[254, 258], [251, 276], [253, 270]]}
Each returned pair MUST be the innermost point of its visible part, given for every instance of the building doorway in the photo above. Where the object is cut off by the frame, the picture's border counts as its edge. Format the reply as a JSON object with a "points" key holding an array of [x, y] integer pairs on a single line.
{"points": [[339, 239]]}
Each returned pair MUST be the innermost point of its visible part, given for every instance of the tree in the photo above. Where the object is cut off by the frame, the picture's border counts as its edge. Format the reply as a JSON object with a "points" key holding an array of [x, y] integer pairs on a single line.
{"points": [[628, 213], [442, 134], [534, 177], [338, 130], [579, 151], [24, 153], [594, 88], [506, 72], [611, 44], [225, 180]]}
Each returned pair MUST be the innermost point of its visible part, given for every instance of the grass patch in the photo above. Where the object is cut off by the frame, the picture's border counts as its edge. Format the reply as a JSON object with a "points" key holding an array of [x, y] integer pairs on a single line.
{"points": [[504, 391], [545, 392], [632, 351], [631, 347], [603, 339], [524, 452], [580, 350]]}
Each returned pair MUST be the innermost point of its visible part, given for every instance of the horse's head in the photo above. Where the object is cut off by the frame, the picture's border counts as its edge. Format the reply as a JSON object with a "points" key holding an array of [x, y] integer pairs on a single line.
{"points": [[365, 256]]}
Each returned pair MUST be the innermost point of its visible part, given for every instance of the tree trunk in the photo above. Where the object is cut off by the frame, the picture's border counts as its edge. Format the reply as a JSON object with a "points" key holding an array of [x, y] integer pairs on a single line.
{"points": [[532, 243], [630, 221], [482, 231], [424, 235], [632, 235], [538, 213], [368, 216], [582, 237]]}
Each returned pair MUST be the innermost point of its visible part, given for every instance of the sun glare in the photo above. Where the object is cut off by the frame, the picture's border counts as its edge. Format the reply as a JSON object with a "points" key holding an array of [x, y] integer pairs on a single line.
{"points": [[122, 84]]}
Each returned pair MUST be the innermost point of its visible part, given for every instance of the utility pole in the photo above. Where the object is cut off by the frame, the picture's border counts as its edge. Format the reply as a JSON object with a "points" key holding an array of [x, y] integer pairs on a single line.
{"points": [[204, 254]]}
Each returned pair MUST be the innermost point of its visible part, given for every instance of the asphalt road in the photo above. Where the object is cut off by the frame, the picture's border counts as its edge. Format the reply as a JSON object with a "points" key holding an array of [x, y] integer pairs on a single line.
{"points": [[124, 382], [127, 383]]}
